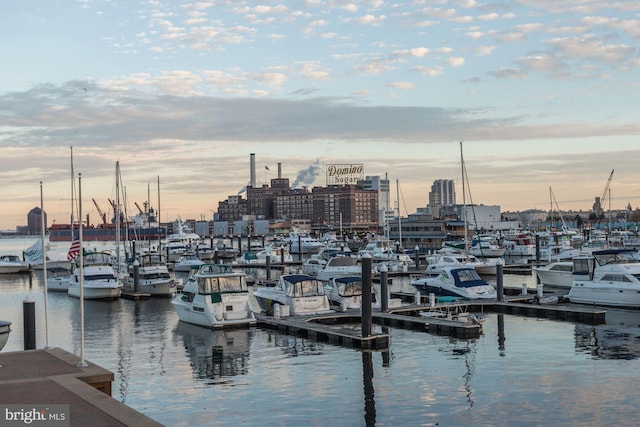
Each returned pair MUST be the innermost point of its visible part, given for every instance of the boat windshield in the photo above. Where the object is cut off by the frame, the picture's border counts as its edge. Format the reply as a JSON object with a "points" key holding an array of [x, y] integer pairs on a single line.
{"points": [[305, 288], [350, 289], [623, 257], [467, 278], [210, 285]]}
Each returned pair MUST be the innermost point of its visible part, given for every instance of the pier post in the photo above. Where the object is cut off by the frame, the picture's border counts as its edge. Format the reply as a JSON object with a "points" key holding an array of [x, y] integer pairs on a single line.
{"points": [[136, 276], [215, 256], [300, 246], [499, 282], [240, 244], [417, 256], [29, 321], [282, 256], [366, 296], [268, 265], [538, 247], [384, 288]]}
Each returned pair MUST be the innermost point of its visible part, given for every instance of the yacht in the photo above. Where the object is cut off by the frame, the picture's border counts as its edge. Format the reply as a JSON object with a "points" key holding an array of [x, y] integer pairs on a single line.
{"points": [[153, 276], [609, 277], [58, 279], [462, 282], [345, 293], [99, 278], [303, 243], [12, 264], [339, 266], [215, 297], [558, 274], [301, 293]]}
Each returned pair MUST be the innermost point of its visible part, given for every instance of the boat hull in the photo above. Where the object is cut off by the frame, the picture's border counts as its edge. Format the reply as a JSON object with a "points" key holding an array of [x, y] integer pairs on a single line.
{"points": [[216, 315]]}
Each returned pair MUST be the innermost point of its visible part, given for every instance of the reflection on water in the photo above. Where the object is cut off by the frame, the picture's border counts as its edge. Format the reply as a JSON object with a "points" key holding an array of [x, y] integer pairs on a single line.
{"points": [[619, 338], [215, 355]]}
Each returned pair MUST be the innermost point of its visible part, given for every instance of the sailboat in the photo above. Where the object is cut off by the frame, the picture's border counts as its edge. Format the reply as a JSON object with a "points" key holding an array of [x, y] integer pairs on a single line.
{"points": [[486, 266]]}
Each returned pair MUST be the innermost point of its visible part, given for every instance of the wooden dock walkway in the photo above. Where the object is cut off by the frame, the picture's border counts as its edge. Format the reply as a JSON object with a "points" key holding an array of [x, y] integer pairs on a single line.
{"points": [[52, 377]]}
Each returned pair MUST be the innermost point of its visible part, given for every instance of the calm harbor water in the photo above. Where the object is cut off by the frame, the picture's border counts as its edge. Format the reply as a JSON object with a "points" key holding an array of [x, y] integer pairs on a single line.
{"points": [[521, 371]]}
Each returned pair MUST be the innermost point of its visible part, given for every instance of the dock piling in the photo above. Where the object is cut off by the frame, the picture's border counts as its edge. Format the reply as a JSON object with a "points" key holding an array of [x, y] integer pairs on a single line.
{"points": [[29, 321], [384, 288], [366, 296], [499, 282]]}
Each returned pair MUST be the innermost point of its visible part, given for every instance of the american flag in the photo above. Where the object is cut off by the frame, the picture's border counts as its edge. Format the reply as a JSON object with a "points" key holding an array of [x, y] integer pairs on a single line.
{"points": [[74, 250]]}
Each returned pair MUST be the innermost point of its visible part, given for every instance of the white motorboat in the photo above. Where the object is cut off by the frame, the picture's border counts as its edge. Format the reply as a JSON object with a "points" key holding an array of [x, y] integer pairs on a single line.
{"points": [[185, 262], [340, 266], [301, 293], [313, 264], [59, 279], [215, 297], [303, 243], [345, 293], [609, 277], [10, 264], [450, 257], [558, 274], [99, 278], [462, 282], [485, 249], [153, 276], [277, 254]]}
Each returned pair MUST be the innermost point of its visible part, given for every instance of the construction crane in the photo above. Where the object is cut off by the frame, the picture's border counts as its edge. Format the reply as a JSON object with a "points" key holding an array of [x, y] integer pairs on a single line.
{"points": [[606, 189], [139, 208], [102, 214]]}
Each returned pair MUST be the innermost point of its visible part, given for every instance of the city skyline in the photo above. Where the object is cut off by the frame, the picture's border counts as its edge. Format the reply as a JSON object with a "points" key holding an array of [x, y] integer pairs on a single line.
{"points": [[541, 93]]}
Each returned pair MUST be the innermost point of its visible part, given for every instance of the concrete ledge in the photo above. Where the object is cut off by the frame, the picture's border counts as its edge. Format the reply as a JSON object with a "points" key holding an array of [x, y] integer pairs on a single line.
{"points": [[54, 377]]}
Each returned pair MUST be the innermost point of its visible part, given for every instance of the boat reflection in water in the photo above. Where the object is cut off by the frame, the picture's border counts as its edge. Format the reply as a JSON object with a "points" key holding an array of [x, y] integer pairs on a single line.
{"points": [[215, 355], [619, 338]]}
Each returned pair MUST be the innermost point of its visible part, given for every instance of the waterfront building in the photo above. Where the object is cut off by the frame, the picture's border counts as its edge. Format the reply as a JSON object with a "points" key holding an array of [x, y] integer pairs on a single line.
{"points": [[34, 221], [232, 209], [381, 185], [348, 206]]}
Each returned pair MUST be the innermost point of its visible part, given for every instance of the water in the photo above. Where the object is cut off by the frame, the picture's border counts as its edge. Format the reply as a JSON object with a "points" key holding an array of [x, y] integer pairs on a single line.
{"points": [[521, 371]]}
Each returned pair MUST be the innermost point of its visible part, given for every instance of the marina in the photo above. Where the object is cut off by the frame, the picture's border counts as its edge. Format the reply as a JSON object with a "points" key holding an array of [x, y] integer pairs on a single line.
{"points": [[418, 372]]}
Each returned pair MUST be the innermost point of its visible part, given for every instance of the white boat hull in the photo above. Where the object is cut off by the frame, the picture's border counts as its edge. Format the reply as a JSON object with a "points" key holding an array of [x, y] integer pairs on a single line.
{"points": [[232, 311], [604, 294], [95, 292]]}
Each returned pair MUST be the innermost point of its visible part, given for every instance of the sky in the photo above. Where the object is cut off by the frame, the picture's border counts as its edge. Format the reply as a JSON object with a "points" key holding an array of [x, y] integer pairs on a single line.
{"points": [[543, 94]]}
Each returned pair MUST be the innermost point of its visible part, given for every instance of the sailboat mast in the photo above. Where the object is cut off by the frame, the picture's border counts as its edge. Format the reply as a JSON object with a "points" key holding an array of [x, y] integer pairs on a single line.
{"points": [[117, 215], [464, 204], [399, 219], [73, 193]]}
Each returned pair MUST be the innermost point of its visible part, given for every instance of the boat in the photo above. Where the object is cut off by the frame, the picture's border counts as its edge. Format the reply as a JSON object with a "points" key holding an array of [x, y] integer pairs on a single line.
{"points": [[153, 276], [485, 249], [185, 262], [558, 274], [450, 257], [609, 277], [215, 297], [519, 245], [5, 330], [303, 243], [556, 246], [313, 264], [339, 266], [462, 282], [99, 278], [300, 293], [10, 264], [59, 279], [345, 293], [277, 254]]}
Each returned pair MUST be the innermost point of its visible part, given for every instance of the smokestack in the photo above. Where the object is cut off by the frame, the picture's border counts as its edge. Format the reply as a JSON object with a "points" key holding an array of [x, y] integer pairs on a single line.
{"points": [[279, 170], [252, 166]]}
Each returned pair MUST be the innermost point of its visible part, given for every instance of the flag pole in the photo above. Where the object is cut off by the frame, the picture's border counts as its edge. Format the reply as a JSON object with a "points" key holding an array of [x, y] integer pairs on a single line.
{"points": [[82, 363], [44, 270]]}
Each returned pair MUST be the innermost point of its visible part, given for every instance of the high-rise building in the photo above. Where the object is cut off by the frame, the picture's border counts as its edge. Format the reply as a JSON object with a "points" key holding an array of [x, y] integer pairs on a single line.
{"points": [[34, 221], [443, 193]]}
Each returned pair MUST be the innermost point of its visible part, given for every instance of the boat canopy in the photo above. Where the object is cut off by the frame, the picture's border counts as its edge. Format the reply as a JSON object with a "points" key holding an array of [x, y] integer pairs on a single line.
{"points": [[349, 286], [301, 285], [467, 278]]}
